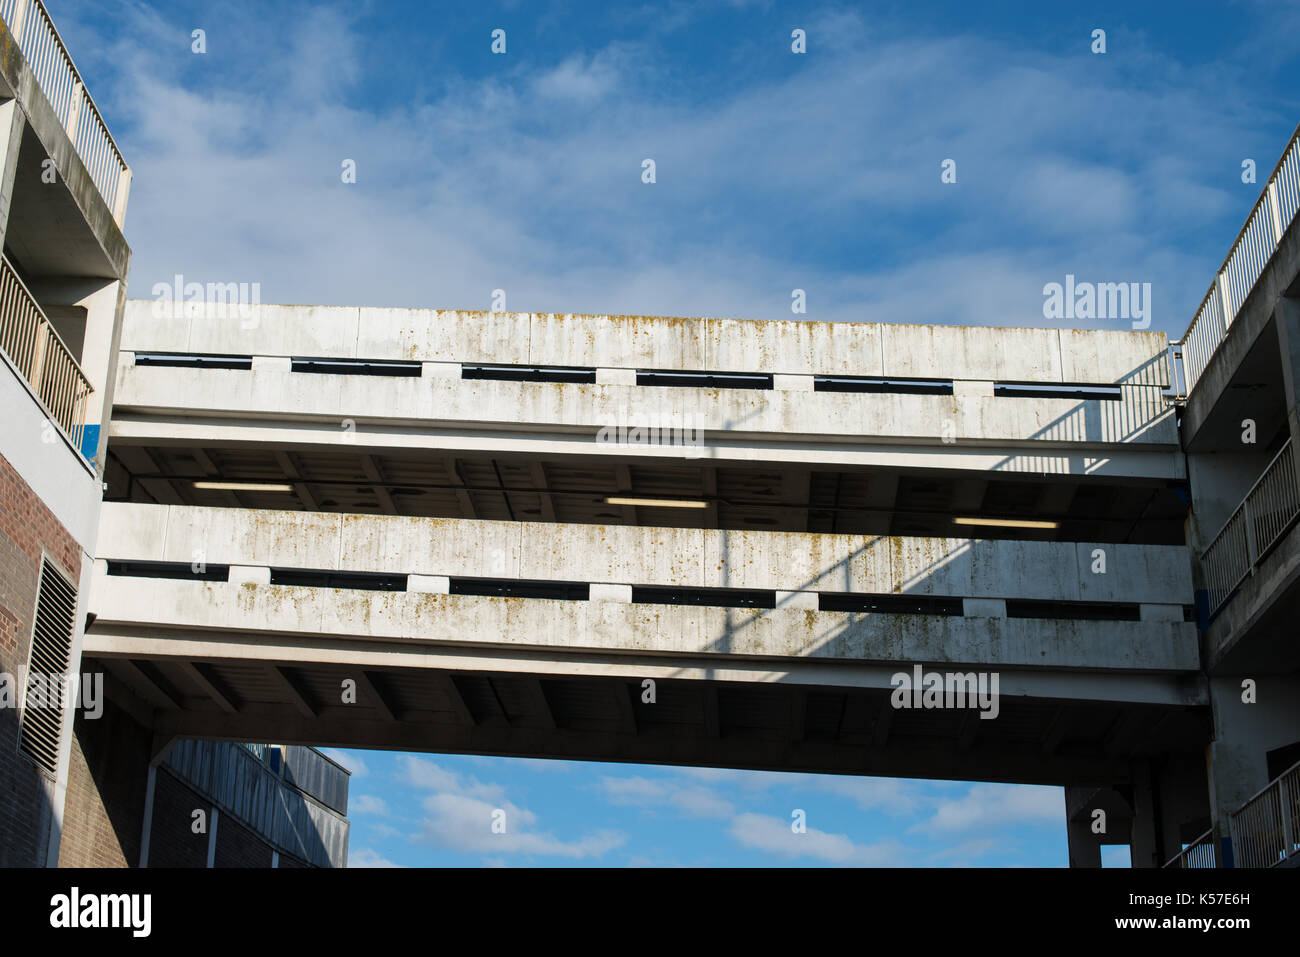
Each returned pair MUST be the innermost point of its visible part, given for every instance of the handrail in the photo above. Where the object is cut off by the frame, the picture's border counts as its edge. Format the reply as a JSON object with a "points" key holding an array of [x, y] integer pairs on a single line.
{"points": [[1233, 282], [1265, 512], [1266, 828], [1200, 853], [59, 79], [41, 356]]}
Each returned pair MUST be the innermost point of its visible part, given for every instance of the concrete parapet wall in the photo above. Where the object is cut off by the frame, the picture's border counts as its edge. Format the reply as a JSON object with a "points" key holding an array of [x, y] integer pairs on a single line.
{"points": [[652, 342], [639, 555], [524, 623]]}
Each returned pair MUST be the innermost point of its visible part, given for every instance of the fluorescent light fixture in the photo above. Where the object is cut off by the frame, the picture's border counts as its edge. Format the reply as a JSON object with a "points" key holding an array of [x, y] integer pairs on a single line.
{"points": [[244, 486], [658, 502], [1005, 522]]}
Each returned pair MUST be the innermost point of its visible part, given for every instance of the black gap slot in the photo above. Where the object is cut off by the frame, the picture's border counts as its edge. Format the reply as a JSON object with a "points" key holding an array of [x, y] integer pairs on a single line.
{"points": [[528, 373], [1056, 390], [178, 570], [715, 597], [512, 588], [365, 581], [705, 380], [1077, 610], [177, 361], [890, 604], [354, 367], [826, 383]]}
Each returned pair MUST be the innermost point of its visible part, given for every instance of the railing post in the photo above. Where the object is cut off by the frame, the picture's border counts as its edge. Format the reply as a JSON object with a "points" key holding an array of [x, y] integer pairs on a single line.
{"points": [[74, 111], [1285, 804], [20, 19], [1252, 551], [39, 341], [1225, 301], [1276, 212]]}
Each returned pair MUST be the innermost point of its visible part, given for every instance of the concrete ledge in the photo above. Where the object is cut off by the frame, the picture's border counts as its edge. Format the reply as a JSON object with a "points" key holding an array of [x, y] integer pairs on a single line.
{"points": [[611, 626], [794, 383], [790, 562], [808, 600], [1107, 430]]}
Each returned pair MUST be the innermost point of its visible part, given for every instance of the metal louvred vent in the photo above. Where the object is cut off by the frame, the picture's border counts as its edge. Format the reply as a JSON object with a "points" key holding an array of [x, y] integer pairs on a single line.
{"points": [[42, 719]]}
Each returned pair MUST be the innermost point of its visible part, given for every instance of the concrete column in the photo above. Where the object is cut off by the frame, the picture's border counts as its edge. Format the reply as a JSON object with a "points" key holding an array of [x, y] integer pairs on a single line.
{"points": [[793, 383], [984, 607], [12, 122], [1287, 322], [604, 592], [1147, 841], [254, 574], [606, 376], [1084, 848], [431, 584], [798, 599], [272, 364], [440, 370], [1160, 612]]}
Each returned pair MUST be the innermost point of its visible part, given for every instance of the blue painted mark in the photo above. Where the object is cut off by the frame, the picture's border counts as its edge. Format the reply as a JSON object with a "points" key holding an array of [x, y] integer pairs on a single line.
{"points": [[90, 443]]}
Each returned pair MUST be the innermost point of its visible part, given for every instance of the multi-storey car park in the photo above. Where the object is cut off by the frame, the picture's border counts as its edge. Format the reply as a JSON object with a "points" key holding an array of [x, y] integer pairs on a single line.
{"points": [[642, 539]]}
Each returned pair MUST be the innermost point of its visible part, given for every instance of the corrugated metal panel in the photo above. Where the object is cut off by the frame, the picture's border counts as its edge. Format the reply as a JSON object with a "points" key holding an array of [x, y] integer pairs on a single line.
{"points": [[316, 774], [244, 787]]}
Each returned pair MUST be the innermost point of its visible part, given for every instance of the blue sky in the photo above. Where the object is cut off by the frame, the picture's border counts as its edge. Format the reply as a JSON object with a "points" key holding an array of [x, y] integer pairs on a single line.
{"points": [[774, 171]]}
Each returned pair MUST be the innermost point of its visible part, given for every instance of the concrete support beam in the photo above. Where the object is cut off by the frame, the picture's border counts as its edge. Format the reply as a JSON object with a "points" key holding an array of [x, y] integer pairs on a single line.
{"points": [[272, 364], [607, 376], [797, 599], [984, 607], [1160, 612], [440, 370], [429, 584], [604, 592], [972, 387], [250, 574], [793, 383]]}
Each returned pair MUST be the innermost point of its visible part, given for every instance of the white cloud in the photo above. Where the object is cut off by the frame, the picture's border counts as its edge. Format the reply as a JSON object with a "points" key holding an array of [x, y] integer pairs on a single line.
{"points": [[773, 835], [368, 804], [992, 806], [365, 857], [459, 823], [691, 800]]}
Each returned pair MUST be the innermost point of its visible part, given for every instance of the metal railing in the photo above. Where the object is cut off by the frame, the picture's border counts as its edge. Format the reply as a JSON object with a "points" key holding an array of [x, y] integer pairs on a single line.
{"points": [[1266, 829], [1273, 212], [1267, 511], [41, 357], [47, 56], [1200, 853]]}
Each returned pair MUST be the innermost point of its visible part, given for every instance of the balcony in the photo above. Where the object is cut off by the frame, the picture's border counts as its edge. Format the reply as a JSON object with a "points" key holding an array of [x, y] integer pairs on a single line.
{"points": [[57, 76], [1245, 263], [1266, 829], [42, 359], [1266, 513]]}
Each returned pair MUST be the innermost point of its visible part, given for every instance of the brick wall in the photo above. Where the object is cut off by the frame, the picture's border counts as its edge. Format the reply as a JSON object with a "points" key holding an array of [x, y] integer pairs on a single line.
{"points": [[108, 776], [26, 528], [172, 841], [237, 846]]}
